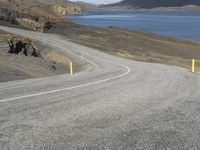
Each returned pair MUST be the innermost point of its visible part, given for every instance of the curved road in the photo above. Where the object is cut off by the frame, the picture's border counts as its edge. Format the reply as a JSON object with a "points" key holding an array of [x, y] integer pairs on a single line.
{"points": [[116, 104]]}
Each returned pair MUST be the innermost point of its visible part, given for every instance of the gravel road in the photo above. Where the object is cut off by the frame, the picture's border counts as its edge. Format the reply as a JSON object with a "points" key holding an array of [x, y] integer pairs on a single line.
{"points": [[115, 104]]}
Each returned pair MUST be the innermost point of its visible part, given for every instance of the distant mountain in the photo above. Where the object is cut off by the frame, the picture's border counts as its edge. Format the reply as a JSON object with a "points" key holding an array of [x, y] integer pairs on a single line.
{"points": [[149, 4], [87, 6], [182, 8]]}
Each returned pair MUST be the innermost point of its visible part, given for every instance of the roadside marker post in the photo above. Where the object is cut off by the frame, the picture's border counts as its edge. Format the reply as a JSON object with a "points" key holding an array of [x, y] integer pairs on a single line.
{"points": [[82, 57], [193, 65], [71, 68]]}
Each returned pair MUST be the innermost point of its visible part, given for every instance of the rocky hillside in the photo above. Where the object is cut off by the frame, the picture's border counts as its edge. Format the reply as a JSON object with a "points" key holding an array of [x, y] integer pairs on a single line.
{"points": [[17, 45], [87, 6], [194, 8], [67, 8], [21, 58], [149, 4], [34, 14]]}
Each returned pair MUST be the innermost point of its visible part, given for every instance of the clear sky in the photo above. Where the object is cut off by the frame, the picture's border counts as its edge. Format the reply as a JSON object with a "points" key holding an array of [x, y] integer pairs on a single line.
{"points": [[98, 1]]}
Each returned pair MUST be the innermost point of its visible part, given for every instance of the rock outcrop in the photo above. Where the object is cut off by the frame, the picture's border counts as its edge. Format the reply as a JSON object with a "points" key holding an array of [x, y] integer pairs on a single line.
{"points": [[19, 45], [67, 8], [33, 25], [33, 14]]}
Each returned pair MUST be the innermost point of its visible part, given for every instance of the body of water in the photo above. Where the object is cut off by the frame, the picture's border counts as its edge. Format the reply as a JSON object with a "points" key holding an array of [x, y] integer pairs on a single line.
{"points": [[185, 25]]}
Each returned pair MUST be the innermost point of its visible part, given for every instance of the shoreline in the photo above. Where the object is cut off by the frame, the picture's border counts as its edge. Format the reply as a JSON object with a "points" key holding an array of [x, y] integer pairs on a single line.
{"points": [[134, 25], [131, 44], [135, 45]]}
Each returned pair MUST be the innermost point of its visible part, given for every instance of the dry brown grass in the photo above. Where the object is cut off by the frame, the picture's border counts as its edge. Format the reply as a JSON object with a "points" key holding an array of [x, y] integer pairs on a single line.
{"points": [[56, 57], [35, 26], [2, 62], [138, 45]]}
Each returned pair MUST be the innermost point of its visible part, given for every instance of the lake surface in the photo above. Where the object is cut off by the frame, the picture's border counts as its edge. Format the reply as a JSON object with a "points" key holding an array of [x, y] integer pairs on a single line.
{"points": [[185, 25]]}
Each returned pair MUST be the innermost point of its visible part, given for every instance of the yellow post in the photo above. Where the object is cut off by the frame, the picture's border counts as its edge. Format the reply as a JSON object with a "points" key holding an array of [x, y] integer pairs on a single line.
{"points": [[82, 57], [71, 68], [193, 65]]}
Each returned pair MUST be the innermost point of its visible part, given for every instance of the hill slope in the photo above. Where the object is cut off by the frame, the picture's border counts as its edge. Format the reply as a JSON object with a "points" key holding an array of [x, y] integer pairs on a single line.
{"points": [[34, 14], [35, 1], [87, 6], [149, 4]]}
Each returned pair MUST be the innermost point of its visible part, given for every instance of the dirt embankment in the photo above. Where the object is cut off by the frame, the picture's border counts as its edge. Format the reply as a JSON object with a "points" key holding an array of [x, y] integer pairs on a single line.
{"points": [[136, 45], [18, 66]]}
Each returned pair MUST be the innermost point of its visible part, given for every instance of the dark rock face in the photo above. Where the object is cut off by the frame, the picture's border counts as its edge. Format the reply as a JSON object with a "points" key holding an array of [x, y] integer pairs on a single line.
{"points": [[17, 47], [11, 16], [148, 4]]}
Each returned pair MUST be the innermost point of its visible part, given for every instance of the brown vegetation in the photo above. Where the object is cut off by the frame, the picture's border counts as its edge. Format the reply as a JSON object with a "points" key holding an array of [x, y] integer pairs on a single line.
{"points": [[136, 45], [56, 57], [18, 44], [18, 59], [34, 14]]}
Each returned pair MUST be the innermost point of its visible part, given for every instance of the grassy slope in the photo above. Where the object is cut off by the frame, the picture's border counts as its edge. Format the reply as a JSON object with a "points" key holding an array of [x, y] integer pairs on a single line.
{"points": [[43, 10], [18, 67], [133, 44]]}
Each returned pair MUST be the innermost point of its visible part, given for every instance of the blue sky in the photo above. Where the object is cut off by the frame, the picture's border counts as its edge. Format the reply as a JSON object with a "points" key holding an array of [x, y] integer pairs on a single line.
{"points": [[98, 1]]}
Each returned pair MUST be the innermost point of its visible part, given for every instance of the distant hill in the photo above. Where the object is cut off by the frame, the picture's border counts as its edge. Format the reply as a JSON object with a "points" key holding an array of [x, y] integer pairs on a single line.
{"points": [[194, 8], [149, 4], [87, 6]]}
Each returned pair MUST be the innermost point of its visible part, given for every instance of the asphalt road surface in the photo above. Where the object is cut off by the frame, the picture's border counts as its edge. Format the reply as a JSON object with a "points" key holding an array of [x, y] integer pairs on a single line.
{"points": [[116, 104]]}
